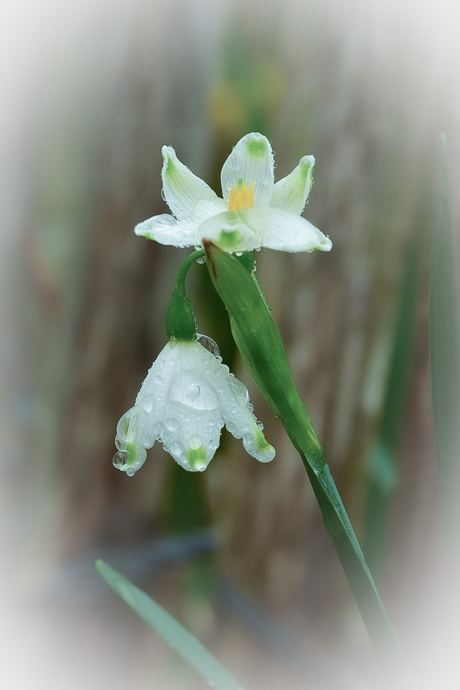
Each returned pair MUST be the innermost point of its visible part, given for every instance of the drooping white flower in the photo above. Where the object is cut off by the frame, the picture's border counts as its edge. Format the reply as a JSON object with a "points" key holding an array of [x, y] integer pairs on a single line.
{"points": [[253, 213], [185, 400]]}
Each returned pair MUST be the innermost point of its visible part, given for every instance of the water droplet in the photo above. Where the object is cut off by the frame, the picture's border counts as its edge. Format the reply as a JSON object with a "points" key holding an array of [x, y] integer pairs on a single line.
{"points": [[130, 472], [123, 424], [158, 380], [147, 402], [158, 429], [195, 442], [208, 344], [120, 444], [200, 465], [260, 426], [176, 448], [240, 390], [193, 391], [119, 459], [172, 424], [201, 260], [163, 196]]}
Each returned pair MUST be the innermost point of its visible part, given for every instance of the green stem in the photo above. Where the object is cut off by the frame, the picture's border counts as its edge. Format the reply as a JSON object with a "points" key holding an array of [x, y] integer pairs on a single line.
{"points": [[180, 320]]}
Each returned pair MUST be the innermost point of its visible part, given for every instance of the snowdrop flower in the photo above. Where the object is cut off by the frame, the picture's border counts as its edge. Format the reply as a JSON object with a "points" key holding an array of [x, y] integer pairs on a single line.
{"points": [[253, 213], [185, 400]]}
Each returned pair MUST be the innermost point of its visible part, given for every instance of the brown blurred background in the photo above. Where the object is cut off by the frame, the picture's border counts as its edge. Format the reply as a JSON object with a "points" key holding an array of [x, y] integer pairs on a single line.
{"points": [[92, 91]]}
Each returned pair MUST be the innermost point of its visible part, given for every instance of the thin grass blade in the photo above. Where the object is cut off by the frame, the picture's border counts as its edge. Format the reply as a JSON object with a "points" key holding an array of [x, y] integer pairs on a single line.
{"points": [[172, 632]]}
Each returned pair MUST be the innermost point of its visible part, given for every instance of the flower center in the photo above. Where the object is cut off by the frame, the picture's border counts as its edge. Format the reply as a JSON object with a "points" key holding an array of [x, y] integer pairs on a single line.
{"points": [[241, 196]]}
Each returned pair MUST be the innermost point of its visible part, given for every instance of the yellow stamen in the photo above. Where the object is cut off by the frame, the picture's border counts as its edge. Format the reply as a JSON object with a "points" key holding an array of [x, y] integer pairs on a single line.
{"points": [[241, 196]]}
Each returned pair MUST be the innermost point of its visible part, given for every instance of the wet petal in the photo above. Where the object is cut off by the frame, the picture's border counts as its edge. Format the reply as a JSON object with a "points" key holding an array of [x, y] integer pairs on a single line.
{"points": [[184, 401], [250, 161], [291, 192], [165, 229], [181, 188], [284, 231], [241, 422], [230, 231]]}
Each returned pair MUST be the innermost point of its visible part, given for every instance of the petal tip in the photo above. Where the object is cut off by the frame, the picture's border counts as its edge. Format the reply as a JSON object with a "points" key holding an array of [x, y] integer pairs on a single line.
{"points": [[326, 244], [167, 152]]}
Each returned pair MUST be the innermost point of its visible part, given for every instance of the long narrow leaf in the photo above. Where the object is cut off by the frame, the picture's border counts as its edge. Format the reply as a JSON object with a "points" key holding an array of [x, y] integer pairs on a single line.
{"points": [[262, 349], [172, 632], [444, 330]]}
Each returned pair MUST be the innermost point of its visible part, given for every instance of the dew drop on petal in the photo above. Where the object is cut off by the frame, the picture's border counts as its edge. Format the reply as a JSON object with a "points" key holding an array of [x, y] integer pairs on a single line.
{"points": [[209, 344], [193, 391], [158, 429], [147, 402], [172, 424], [130, 472], [260, 426], [176, 448], [201, 260], [119, 459], [195, 442], [123, 424], [158, 380]]}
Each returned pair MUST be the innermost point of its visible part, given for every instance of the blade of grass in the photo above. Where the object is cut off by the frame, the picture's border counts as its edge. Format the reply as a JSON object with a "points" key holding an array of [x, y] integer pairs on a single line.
{"points": [[383, 465], [444, 330], [172, 632]]}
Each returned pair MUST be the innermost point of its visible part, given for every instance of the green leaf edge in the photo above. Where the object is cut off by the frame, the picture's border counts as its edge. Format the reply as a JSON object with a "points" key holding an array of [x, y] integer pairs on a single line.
{"points": [[170, 630]]}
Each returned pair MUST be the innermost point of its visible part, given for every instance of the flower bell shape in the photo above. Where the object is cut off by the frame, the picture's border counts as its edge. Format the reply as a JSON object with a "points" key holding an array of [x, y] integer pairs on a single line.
{"points": [[253, 213], [185, 400]]}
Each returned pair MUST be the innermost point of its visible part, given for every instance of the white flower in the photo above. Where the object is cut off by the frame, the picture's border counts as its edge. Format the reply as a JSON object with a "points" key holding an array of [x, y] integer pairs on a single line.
{"points": [[254, 212], [185, 400]]}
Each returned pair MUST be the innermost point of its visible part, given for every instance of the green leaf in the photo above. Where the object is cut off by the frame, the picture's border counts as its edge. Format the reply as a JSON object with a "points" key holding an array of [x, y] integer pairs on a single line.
{"points": [[444, 329], [172, 632], [262, 349]]}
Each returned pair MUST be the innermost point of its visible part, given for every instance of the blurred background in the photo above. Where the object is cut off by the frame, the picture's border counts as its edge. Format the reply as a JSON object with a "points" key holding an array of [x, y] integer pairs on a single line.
{"points": [[92, 90]]}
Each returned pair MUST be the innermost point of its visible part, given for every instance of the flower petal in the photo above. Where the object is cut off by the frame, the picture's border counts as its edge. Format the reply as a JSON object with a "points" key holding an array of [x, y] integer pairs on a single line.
{"points": [[230, 231], [181, 188], [250, 161], [241, 422], [281, 230], [167, 230], [183, 402], [291, 192]]}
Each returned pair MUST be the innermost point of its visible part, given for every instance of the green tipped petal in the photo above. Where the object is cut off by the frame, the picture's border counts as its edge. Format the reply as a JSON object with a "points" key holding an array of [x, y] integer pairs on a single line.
{"points": [[167, 230], [291, 192], [182, 189], [250, 161]]}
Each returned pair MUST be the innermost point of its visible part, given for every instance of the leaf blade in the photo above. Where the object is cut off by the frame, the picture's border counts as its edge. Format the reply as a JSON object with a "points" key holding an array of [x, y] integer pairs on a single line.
{"points": [[172, 632]]}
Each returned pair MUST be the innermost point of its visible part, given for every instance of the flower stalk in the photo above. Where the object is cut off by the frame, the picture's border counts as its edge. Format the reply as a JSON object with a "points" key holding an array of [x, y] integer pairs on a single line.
{"points": [[180, 319]]}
